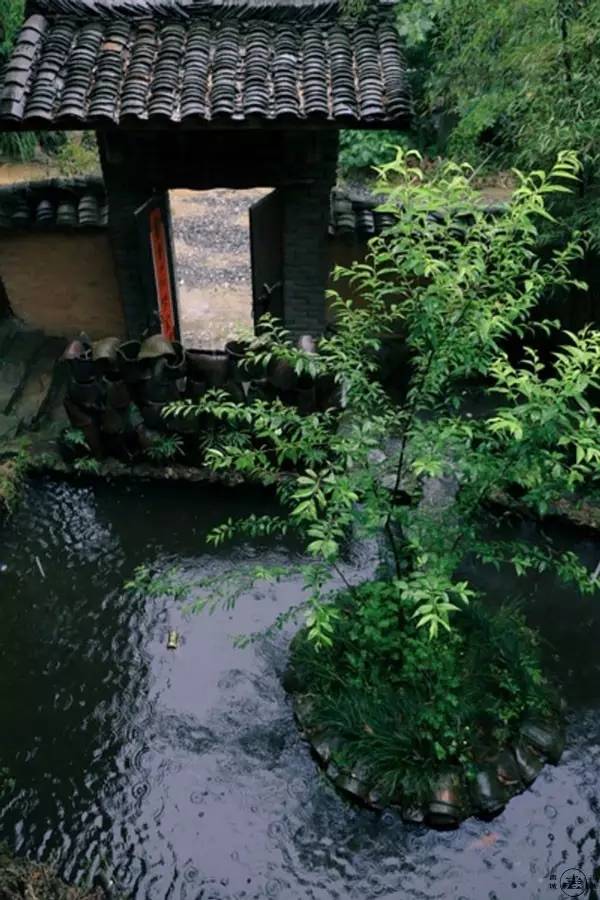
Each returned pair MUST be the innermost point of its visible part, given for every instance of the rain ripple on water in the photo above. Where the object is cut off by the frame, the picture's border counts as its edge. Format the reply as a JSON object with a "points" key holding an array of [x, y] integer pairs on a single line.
{"points": [[182, 774]]}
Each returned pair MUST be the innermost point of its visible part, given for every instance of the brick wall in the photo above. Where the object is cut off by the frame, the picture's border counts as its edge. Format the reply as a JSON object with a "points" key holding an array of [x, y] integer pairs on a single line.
{"points": [[305, 258], [306, 245], [126, 191]]}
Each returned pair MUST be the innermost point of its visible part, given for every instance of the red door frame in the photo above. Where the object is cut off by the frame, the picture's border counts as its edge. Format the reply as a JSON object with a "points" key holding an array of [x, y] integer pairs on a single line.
{"points": [[154, 219]]}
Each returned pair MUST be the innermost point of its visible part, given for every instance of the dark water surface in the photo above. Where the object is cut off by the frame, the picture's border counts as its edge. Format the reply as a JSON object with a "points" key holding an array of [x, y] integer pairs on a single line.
{"points": [[181, 773]]}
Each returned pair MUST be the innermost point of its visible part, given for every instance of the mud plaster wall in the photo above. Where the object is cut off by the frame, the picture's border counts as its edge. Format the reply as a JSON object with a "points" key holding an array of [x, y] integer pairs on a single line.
{"points": [[62, 283]]}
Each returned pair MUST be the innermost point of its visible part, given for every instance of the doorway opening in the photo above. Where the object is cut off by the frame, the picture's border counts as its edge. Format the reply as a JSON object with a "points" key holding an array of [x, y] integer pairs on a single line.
{"points": [[227, 261]]}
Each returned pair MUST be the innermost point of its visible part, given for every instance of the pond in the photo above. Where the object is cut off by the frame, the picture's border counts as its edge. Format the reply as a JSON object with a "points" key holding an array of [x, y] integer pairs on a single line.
{"points": [[181, 773]]}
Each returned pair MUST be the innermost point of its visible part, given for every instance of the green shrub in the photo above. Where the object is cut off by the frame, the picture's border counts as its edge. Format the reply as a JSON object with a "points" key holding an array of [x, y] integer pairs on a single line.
{"points": [[416, 655], [78, 155], [18, 146], [458, 282], [404, 708], [165, 447], [361, 151]]}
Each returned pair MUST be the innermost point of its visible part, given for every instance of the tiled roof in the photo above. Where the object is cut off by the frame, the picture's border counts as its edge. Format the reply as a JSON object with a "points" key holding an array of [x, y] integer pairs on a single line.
{"points": [[51, 204], [101, 63], [294, 11]]}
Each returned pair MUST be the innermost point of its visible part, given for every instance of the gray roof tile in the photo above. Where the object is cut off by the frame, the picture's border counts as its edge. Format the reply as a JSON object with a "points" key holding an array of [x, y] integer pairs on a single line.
{"points": [[84, 62], [53, 203]]}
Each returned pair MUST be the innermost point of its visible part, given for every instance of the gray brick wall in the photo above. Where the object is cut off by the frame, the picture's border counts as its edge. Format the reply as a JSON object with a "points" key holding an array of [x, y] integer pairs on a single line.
{"points": [[306, 250], [126, 192], [306, 218]]}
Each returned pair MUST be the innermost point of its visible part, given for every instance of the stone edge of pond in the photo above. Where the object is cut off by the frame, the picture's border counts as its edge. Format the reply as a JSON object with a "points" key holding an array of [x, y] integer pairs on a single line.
{"points": [[14, 466], [506, 773], [45, 458], [576, 511], [24, 879]]}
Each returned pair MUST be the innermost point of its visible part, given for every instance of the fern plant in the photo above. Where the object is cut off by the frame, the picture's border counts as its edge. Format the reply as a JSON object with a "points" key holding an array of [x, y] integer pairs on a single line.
{"points": [[165, 447]]}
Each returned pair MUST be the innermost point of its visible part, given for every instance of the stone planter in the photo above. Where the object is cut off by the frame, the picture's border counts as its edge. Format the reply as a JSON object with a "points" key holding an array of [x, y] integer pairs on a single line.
{"points": [[78, 356], [117, 392], [104, 354], [131, 367], [455, 797], [160, 390], [89, 394], [152, 415], [175, 367], [239, 371], [281, 375], [211, 366], [156, 346]]}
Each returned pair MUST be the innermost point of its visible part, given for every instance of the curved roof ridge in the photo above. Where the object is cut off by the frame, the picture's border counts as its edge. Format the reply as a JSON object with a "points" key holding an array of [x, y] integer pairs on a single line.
{"points": [[73, 183], [295, 10], [54, 203]]}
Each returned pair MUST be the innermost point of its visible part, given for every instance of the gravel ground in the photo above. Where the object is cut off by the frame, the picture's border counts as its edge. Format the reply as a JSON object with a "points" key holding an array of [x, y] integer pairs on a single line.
{"points": [[214, 276]]}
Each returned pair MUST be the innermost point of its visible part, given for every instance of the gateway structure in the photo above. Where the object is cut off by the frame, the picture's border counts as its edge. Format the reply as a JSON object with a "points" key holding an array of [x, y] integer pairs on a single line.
{"points": [[211, 94]]}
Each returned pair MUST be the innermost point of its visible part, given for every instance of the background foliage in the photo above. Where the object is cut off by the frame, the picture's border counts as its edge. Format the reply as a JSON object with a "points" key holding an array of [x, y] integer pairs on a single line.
{"points": [[505, 84], [361, 150], [13, 146], [11, 16]]}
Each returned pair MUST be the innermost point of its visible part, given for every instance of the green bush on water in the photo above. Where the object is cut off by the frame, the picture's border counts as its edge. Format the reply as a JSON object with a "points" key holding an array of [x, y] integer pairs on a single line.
{"points": [[401, 709], [414, 669]]}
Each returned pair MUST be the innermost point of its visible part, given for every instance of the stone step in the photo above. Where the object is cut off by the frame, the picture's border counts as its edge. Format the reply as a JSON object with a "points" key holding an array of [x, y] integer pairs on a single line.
{"points": [[8, 327], [54, 413], [16, 356], [37, 388], [9, 426]]}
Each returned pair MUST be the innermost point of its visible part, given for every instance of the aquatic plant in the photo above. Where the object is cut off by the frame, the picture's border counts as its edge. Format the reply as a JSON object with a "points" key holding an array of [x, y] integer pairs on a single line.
{"points": [[400, 708], [413, 473]]}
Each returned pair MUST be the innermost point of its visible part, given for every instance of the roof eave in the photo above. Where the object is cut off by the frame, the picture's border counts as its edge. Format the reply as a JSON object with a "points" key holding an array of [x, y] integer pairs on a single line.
{"points": [[400, 123]]}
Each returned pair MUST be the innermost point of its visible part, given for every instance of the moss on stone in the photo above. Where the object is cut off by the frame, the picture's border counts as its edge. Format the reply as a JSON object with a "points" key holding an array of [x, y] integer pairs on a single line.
{"points": [[22, 879], [14, 460]]}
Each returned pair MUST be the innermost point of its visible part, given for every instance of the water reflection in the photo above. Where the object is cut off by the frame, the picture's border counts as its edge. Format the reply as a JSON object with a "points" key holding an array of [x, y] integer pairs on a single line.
{"points": [[182, 773]]}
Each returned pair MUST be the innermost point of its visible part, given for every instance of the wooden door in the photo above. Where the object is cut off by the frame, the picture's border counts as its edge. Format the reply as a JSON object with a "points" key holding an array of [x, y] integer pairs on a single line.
{"points": [[158, 262], [266, 245]]}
